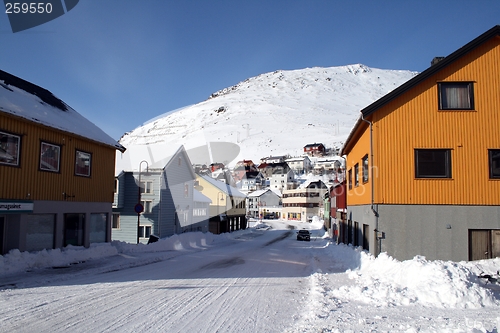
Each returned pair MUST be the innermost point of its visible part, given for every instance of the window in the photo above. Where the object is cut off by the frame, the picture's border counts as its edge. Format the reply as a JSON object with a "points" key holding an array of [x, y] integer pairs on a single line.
{"points": [[365, 168], [144, 231], [350, 179], [50, 157], [432, 163], [147, 187], [9, 149], [148, 205], [116, 221], [456, 96], [356, 175], [494, 163], [40, 231], [82, 164], [98, 227], [186, 190]]}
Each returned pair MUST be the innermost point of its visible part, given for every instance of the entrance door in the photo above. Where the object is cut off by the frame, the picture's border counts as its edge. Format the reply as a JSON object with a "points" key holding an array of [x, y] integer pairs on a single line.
{"points": [[495, 243], [73, 229], [2, 233], [366, 232], [479, 244]]}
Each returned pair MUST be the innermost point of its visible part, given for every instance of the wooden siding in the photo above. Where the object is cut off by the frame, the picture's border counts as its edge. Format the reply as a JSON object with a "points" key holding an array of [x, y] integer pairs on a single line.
{"points": [[412, 121], [128, 197], [28, 182]]}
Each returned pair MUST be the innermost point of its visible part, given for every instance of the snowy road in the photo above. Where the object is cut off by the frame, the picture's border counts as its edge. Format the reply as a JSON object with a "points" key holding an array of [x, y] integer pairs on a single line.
{"points": [[254, 280], [232, 288]]}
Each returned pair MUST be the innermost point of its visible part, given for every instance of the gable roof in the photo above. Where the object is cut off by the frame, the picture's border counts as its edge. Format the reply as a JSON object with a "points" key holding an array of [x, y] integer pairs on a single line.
{"points": [[493, 32], [26, 100], [156, 156], [229, 190], [311, 145]]}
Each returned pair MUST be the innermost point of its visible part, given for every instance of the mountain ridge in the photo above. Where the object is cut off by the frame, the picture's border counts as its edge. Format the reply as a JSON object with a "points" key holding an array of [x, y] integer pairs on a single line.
{"points": [[275, 113]]}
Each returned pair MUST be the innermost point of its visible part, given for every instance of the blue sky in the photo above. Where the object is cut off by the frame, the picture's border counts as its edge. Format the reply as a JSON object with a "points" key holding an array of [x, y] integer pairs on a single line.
{"points": [[120, 63]]}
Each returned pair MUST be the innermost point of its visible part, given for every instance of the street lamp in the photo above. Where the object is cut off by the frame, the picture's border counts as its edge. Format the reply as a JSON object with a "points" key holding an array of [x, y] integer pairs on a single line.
{"points": [[219, 198], [139, 208]]}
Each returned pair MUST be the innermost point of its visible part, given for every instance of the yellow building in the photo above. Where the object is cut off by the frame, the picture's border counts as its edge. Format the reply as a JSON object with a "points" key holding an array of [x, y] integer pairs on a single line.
{"points": [[228, 207], [423, 162], [56, 171]]}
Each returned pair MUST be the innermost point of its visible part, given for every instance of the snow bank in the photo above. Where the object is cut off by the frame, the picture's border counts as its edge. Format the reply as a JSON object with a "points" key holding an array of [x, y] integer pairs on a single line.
{"points": [[385, 281], [16, 261]]}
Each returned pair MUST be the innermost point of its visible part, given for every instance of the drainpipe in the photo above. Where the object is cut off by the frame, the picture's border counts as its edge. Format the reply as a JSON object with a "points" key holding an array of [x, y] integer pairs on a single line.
{"points": [[375, 213]]}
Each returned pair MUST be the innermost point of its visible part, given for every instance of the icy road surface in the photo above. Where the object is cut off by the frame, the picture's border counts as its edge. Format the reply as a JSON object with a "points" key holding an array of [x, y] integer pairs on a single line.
{"points": [[256, 280]]}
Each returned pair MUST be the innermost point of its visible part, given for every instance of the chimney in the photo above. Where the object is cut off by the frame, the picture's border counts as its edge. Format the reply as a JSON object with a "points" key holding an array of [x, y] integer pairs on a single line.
{"points": [[436, 60]]}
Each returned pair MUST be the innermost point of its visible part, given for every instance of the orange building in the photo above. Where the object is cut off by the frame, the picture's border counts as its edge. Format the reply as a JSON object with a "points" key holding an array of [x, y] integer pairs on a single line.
{"points": [[56, 172], [423, 162]]}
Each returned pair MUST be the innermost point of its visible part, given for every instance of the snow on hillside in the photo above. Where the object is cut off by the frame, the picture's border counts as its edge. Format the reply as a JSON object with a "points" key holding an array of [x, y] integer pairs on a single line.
{"points": [[275, 113]]}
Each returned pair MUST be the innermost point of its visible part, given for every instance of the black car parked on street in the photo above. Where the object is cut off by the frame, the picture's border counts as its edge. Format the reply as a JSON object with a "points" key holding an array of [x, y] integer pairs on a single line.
{"points": [[304, 235]]}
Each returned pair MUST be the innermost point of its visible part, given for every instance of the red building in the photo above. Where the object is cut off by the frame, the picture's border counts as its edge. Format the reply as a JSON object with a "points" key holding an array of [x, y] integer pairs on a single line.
{"points": [[314, 149]]}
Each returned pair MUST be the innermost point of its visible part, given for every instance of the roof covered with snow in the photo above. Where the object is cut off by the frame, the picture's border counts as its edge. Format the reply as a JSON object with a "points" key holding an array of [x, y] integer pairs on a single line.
{"points": [[26, 100], [230, 190]]}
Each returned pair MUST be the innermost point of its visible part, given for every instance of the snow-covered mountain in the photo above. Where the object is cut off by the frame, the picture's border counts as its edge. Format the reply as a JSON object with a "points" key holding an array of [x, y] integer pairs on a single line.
{"points": [[275, 113]]}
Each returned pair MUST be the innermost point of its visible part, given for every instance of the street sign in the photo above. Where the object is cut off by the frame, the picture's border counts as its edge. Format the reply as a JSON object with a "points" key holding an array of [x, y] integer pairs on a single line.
{"points": [[139, 208]]}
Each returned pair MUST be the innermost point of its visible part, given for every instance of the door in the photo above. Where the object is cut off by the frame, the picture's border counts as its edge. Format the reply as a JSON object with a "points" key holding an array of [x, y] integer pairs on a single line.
{"points": [[73, 229], [495, 243], [2, 233], [479, 244], [366, 233]]}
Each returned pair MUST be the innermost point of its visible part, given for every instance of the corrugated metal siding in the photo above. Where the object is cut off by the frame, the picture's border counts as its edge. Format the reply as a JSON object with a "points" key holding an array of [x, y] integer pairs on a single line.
{"points": [[413, 121], [360, 194], [18, 182]]}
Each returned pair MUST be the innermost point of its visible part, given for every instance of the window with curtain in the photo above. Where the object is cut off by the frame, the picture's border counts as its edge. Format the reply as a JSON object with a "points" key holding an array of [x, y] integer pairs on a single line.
{"points": [[9, 148], [456, 96], [365, 168]]}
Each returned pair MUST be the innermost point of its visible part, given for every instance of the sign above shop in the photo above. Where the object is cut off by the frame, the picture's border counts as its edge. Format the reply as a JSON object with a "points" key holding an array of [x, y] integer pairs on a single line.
{"points": [[16, 206]]}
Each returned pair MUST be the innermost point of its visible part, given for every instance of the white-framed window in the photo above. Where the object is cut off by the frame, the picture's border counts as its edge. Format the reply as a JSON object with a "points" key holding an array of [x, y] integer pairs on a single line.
{"points": [[144, 231], [116, 221], [82, 163], [147, 186], [148, 206], [10, 146], [50, 157]]}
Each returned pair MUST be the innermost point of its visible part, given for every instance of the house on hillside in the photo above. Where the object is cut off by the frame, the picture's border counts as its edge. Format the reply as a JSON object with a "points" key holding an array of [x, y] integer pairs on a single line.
{"points": [[169, 203], [228, 205], [56, 172], [300, 165], [263, 202], [304, 203], [241, 168], [251, 181], [314, 149], [424, 161], [273, 159]]}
